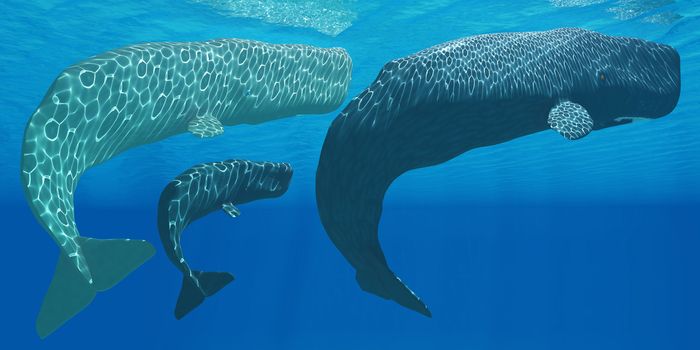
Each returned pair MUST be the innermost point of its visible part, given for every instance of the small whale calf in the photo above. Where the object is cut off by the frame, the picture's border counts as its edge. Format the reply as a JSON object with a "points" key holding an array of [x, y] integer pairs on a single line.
{"points": [[201, 190], [107, 104], [483, 90]]}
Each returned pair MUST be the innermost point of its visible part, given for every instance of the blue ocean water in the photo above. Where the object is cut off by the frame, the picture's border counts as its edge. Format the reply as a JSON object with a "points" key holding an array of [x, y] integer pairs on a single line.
{"points": [[538, 243]]}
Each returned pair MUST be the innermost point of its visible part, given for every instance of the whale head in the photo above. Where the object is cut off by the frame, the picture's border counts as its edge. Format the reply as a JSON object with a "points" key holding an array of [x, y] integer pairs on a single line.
{"points": [[633, 79]]}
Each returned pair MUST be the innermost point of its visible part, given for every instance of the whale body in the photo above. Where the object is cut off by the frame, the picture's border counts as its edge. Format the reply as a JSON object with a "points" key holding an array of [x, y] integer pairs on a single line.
{"points": [[140, 94], [432, 106], [204, 189]]}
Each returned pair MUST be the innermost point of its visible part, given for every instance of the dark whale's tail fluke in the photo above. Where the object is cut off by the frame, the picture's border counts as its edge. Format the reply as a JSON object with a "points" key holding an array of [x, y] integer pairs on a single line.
{"points": [[382, 282], [191, 294], [109, 261]]}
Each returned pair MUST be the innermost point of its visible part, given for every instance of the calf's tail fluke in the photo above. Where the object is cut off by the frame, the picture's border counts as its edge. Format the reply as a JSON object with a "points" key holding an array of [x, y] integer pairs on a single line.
{"points": [[109, 261], [197, 287]]}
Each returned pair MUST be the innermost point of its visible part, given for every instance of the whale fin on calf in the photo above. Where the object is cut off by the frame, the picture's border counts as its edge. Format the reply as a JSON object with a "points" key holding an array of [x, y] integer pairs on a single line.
{"points": [[571, 120], [205, 126], [231, 209]]}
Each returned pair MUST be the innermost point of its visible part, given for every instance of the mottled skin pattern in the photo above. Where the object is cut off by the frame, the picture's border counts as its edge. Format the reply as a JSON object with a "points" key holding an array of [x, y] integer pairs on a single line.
{"points": [[432, 106], [573, 118], [140, 94], [205, 188]]}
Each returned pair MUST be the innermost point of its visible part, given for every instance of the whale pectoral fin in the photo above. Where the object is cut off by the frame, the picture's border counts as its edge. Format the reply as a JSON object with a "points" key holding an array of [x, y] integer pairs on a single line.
{"points": [[571, 120], [205, 126], [231, 209]]}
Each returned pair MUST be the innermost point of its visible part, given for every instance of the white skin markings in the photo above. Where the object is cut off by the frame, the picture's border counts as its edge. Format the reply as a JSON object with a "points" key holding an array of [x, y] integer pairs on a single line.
{"points": [[144, 93]]}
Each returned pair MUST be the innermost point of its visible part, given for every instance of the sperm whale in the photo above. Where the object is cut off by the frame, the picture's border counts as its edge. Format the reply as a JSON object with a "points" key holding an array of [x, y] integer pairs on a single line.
{"points": [[139, 94], [200, 191], [432, 106]]}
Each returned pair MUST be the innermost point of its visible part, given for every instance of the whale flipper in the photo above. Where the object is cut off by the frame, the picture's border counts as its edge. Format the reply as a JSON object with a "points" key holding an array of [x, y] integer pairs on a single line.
{"points": [[384, 283], [571, 120], [110, 260], [192, 295], [205, 126], [231, 209]]}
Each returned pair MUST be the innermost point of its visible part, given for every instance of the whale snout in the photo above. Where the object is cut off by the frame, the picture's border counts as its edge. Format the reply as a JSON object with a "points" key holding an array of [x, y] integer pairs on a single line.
{"points": [[662, 87], [280, 175], [285, 173], [644, 83], [675, 78], [658, 78]]}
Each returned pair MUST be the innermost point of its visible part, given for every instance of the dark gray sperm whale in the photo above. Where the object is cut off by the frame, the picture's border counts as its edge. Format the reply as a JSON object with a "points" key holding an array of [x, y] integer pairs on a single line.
{"points": [[204, 189], [432, 106]]}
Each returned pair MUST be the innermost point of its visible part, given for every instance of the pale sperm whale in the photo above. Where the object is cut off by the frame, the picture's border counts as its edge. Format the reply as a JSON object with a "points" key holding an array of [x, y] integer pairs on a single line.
{"points": [[140, 94], [200, 191], [478, 91]]}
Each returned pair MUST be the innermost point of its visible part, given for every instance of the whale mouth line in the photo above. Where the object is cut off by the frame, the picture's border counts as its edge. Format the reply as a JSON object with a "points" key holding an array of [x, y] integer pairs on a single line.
{"points": [[631, 119]]}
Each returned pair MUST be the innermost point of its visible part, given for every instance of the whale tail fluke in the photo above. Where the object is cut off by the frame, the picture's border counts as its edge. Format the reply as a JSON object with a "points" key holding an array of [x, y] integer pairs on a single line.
{"points": [[191, 295], [109, 261], [382, 282], [69, 292]]}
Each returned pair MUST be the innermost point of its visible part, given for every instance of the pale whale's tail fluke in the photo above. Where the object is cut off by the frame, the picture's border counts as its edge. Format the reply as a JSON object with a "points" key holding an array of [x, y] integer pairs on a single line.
{"points": [[109, 260], [191, 294], [384, 283]]}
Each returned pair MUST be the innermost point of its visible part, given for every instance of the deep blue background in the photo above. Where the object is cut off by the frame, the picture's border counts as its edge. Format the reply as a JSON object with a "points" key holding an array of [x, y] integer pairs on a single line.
{"points": [[539, 243]]}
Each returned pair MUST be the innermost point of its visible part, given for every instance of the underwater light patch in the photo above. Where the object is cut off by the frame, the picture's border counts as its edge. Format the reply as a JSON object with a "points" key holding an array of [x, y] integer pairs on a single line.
{"points": [[327, 17], [629, 9], [662, 18], [575, 3]]}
